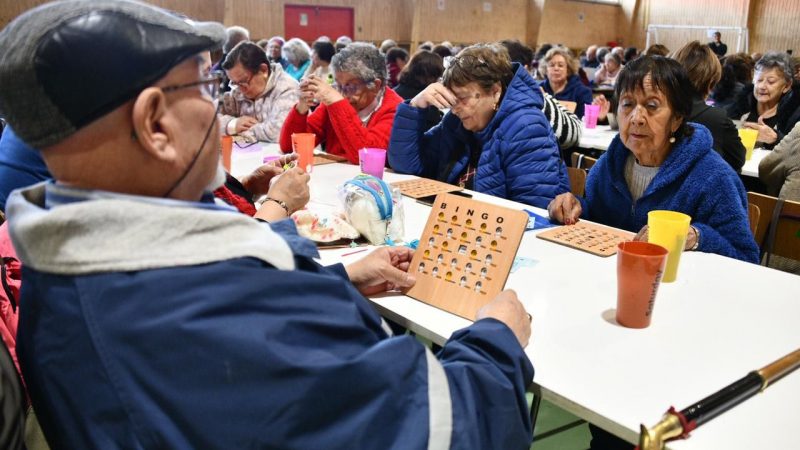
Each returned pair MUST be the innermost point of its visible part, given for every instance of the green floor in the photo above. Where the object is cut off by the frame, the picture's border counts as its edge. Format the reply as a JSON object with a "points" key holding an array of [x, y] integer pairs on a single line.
{"points": [[557, 429]]}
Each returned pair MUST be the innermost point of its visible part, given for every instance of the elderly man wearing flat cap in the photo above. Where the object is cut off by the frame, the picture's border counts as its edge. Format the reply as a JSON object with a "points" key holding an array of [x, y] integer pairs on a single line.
{"points": [[153, 318]]}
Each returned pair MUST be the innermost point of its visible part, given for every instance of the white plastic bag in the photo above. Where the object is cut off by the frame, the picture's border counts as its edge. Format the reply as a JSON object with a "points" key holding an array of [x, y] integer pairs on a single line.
{"points": [[374, 209]]}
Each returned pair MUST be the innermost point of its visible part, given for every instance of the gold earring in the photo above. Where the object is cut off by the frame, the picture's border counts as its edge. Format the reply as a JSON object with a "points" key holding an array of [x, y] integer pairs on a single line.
{"points": [[495, 106]]}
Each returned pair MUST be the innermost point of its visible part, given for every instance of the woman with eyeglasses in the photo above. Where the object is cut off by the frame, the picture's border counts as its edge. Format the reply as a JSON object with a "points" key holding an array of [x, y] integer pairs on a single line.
{"points": [[495, 138], [261, 97], [562, 80], [354, 113]]}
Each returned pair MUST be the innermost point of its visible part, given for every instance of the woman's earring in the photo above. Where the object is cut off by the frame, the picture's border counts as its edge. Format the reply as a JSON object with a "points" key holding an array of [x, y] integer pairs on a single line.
{"points": [[495, 106], [672, 139]]}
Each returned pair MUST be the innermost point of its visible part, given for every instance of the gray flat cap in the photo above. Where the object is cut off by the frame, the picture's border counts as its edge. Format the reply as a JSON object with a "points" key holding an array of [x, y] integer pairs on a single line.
{"points": [[68, 63]]}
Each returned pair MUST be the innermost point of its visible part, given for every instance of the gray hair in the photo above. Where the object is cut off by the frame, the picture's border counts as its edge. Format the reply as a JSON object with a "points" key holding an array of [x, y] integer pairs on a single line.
{"points": [[387, 44], [296, 51], [234, 35], [361, 60], [777, 60]]}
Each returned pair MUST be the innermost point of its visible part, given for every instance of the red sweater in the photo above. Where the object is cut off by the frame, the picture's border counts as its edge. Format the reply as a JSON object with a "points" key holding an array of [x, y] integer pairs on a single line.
{"points": [[339, 127]]}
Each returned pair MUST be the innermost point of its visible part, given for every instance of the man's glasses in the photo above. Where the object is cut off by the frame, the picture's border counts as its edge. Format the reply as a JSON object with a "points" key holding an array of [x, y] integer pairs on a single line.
{"points": [[209, 86], [350, 89]]}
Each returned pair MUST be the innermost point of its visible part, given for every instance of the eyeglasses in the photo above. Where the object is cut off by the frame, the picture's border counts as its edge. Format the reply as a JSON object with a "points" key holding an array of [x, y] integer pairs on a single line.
{"points": [[209, 86], [242, 84], [465, 100], [351, 89], [465, 62]]}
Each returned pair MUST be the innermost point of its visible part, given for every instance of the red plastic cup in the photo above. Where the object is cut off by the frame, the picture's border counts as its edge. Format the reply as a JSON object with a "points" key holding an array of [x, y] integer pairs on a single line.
{"points": [[372, 160], [303, 144], [640, 266]]}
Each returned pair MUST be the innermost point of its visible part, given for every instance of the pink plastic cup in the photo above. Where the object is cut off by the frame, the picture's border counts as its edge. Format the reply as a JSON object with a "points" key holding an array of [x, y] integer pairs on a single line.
{"points": [[372, 160], [590, 113]]}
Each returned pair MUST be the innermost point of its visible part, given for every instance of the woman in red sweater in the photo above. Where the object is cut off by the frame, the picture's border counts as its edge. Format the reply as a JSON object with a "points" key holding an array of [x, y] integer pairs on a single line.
{"points": [[356, 112]]}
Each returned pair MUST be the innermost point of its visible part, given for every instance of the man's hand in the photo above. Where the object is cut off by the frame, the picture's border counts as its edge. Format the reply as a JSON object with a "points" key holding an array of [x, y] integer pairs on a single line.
{"points": [[292, 188], [244, 123], [258, 182], [382, 270], [507, 308], [436, 94], [565, 208]]}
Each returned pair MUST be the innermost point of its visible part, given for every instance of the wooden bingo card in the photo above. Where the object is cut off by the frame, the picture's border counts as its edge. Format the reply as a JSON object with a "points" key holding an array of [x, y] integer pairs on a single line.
{"points": [[423, 187], [589, 237], [327, 158], [465, 253]]}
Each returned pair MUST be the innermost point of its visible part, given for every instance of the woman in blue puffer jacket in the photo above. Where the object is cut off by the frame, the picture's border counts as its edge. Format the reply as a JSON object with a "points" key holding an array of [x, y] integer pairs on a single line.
{"points": [[494, 140]]}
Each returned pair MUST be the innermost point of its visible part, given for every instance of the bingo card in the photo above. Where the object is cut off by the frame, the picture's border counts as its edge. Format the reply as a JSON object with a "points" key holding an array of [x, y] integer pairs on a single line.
{"points": [[589, 237], [465, 254], [423, 187]]}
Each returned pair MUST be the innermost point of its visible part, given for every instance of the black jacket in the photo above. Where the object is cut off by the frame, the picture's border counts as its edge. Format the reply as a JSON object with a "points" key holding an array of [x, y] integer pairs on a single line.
{"points": [[723, 131]]}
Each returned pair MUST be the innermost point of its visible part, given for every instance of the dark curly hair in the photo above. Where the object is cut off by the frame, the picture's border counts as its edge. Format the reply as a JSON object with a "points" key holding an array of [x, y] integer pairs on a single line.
{"points": [[248, 54], [666, 76]]}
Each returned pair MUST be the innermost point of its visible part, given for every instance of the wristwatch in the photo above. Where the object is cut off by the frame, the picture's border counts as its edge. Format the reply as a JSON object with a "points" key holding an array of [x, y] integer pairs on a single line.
{"points": [[280, 203], [697, 241]]}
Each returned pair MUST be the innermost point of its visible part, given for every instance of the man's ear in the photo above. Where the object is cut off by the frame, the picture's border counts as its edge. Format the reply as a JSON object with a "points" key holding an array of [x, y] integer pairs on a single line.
{"points": [[148, 114]]}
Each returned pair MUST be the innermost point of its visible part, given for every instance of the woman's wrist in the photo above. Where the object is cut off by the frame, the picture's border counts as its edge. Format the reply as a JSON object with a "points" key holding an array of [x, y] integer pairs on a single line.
{"points": [[696, 242]]}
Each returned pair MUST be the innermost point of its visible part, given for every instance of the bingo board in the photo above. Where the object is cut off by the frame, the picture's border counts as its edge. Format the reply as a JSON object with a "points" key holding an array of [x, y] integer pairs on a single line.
{"points": [[424, 187], [465, 254], [327, 158], [589, 237]]}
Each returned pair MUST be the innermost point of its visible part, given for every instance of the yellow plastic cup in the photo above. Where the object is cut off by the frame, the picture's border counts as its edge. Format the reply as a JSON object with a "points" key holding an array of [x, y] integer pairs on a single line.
{"points": [[748, 138], [668, 229]]}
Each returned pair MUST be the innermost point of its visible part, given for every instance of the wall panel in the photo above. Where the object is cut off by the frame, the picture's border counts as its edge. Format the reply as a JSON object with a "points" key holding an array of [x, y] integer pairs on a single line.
{"points": [[776, 26], [578, 24], [774, 23]]}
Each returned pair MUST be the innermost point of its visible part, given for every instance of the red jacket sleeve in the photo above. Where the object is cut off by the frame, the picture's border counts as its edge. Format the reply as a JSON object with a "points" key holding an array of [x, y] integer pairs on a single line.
{"points": [[353, 135]]}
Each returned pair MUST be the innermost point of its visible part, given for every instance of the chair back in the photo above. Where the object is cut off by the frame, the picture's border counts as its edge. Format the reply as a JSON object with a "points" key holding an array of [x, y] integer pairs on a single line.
{"points": [[581, 161], [577, 181], [753, 216], [778, 229]]}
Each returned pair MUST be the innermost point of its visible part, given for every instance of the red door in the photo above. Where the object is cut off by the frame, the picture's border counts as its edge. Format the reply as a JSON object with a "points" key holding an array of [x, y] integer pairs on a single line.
{"points": [[310, 22]]}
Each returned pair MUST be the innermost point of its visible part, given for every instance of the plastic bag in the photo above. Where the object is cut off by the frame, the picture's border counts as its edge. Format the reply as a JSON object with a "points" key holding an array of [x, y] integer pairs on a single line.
{"points": [[374, 209]]}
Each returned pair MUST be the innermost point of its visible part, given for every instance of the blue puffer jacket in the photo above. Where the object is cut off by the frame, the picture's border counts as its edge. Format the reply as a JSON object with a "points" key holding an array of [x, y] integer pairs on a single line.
{"points": [[519, 159], [693, 180]]}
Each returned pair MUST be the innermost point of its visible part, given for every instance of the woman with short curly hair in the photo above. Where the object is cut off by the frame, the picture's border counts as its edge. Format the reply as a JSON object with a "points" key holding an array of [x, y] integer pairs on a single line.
{"points": [[495, 138], [355, 112]]}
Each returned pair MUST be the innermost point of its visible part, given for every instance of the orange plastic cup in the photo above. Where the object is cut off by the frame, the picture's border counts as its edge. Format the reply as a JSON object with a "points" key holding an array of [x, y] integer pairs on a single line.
{"points": [[303, 144], [227, 149], [749, 138], [640, 266]]}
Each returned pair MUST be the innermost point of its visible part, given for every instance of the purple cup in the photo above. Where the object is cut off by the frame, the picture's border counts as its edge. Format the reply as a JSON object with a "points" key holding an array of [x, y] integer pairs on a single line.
{"points": [[372, 160]]}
